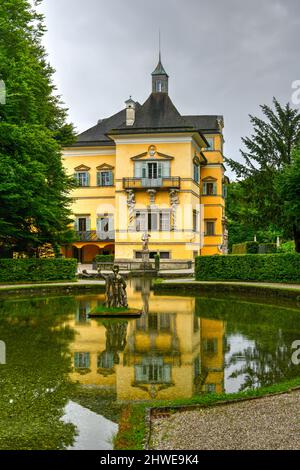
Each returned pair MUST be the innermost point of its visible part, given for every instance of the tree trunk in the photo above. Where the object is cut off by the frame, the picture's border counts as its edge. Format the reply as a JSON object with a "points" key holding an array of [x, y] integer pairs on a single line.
{"points": [[296, 231]]}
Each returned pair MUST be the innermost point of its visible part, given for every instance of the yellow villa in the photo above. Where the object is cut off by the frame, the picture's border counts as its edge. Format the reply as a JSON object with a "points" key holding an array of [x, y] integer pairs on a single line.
{"points": [[149, 169]]}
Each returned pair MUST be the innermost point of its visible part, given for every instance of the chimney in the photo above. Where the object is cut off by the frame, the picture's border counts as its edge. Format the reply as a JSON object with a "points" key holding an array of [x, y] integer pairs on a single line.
{"points": [[130, 112]]}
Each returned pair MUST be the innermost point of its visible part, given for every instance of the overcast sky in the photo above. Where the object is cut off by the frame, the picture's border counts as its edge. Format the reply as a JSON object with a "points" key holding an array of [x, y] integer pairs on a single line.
{"points": [[223, 56]]}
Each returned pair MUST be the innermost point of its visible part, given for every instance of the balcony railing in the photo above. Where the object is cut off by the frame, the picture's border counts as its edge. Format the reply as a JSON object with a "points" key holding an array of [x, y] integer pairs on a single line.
{"points": [[149, 183], [95, 236]]}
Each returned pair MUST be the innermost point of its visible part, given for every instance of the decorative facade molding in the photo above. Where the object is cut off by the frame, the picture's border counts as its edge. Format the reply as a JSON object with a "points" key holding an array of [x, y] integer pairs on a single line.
{"points": [[131, 207], [105, 166], [174, 202], [82, 168], [87, 153], [152, 193]]}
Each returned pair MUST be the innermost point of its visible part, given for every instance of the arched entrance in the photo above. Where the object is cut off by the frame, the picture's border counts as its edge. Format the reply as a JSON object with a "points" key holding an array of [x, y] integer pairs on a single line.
{"points": [[107, 250], [88, 253]]}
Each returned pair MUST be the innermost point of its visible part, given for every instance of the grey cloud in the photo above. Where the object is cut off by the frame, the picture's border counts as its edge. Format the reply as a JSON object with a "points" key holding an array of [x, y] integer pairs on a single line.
{"points": [[223, 57]]}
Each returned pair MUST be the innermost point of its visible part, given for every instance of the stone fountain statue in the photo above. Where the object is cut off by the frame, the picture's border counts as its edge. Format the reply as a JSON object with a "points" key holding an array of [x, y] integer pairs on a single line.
{"points": [[145, 240], [115, 289]]}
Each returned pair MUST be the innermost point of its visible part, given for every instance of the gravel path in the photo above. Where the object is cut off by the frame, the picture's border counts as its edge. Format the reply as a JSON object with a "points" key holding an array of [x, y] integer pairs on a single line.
{"points": [[267, 423]]}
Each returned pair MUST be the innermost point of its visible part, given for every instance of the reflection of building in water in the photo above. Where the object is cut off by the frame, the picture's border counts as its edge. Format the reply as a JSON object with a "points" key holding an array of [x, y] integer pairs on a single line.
{"points": [[168, 353], [212, 355]]}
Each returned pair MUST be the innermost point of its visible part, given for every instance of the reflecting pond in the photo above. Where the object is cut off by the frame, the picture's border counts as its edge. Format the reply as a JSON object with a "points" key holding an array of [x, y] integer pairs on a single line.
{"points": [[180, 347]]}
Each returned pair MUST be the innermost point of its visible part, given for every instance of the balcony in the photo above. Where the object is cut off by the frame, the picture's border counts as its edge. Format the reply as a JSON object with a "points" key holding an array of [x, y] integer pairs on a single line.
{"points": [[152, 183], [95, 236]]}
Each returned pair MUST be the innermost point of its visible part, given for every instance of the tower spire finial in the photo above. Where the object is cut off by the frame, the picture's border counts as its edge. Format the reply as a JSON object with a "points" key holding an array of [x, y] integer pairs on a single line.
{"points": [[159, 45]]}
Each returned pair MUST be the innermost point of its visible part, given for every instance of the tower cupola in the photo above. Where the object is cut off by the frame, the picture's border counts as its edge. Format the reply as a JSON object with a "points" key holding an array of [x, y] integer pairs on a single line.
{"points": [[160, 79]]}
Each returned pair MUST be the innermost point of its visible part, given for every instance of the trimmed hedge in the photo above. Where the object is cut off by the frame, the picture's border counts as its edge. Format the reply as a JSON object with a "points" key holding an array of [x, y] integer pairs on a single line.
{"points": [[37, 269], [244, 248], [279, 267], [265, 248], [104, 258]]}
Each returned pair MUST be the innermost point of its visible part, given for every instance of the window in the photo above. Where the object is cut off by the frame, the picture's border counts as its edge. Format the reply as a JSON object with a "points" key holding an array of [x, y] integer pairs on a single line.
{"points": [[210, 388], [152, 170], [82, 312], [105, 178], [152, 322], [140, 221], [165, 322], [210, 228], [82, 224], [81, 360], [105, 360], [224, 191], [210, 346], [83, 178], [195, 221], [211, 142], [153, 370], [153, 221], [209, 188], [164, 255], [196, 173], [164, 221], [159, 86]]}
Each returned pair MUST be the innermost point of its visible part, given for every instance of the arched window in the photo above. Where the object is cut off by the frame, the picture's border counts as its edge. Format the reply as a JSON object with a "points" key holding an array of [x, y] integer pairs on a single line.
{"points": [[159, 86]]}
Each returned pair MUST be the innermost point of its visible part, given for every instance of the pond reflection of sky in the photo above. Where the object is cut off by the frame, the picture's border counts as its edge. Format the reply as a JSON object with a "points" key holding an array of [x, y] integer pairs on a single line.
{"points": [[181, 347]]}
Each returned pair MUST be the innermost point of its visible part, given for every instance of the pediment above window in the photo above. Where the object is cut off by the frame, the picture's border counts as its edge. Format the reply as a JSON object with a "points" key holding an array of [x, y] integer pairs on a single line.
{"points": [[82, 168], [209, 178], [156, 156], [105, 166]]}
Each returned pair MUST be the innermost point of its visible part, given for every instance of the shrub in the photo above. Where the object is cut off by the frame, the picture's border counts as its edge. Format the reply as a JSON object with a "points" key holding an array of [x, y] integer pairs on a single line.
{"points": [[265, 248], [287, 247], [279, 267], [37, 269], [104, 258], [245, 248]]}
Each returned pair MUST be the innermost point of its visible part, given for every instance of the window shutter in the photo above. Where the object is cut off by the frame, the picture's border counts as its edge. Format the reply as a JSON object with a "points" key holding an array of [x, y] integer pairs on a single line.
{"points": [[76, 224], [138, 169], [111, 178], [88, 224], [111, 223], [165, 169], [75, 176], [98, 178], [87, 179], [144, 170], [214, 189], [204, 188], [159, 169]]}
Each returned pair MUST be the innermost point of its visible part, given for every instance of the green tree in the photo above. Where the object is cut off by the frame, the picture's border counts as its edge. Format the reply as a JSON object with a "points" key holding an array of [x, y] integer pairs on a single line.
{"points": [[267, 151], [34, 202], [288, 188]]}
